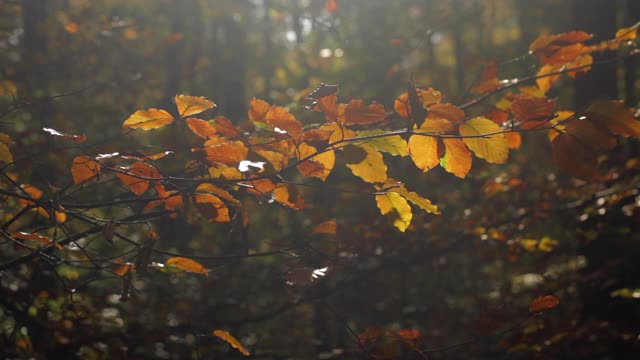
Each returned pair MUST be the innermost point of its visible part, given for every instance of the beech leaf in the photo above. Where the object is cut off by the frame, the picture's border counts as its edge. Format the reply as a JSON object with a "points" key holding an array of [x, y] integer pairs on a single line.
{"points": [[231, 341], [148, 119], [84, 168], [188, 265], [493, 148], [192, 105]]}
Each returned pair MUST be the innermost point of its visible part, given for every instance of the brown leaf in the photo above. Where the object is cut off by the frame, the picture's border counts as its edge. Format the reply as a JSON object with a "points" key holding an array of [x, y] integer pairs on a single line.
{"points": [[533, 112], [559, 49]]}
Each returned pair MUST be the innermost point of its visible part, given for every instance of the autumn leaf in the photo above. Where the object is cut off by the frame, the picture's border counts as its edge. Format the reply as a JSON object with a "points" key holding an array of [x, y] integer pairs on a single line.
{"points": [[192, 105], [188, 265], [75, 138], [225, 127], [545, 77], [221, 151], [136, 178], [457, 158], [212, 207], [493, 148], [543, 303], [331, 6], [328, 227], [84, 168], [282, 121], [35, 238], [148, 119], [559, 49], [424, 151], [231, 341], [356, 112], [449, 112], [489, 79], [392, 201], [393, 145], [366, 163], [288, 195], [581, 65], [320, 165], [533, 112], [325, 100], [201, 128], [615, 117]]}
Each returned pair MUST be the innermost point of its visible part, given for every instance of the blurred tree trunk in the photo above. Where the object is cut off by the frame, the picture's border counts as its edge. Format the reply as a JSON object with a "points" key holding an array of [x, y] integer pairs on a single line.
{"points": [[597, 17]]}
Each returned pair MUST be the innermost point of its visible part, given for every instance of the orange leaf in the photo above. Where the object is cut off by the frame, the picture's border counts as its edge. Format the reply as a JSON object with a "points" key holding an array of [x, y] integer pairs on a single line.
{"points": [[232, 341], [84, 168], [489, 80], [457, 157], [211, 207], [328, 227], [331, 6], [148, 119], [34, 237], [357, 113], [191, 105], [258, 110], [446, 111], [320, 165], [513, 139], [581, 64], [225, 127], [187, 265], [140, 174], [201, 128], [543, 303], [75, 138], [533, 112], [282, 120], [122, 269], [544, 80], [559, 49], [221, 151], [402, 106], [287, 194]]}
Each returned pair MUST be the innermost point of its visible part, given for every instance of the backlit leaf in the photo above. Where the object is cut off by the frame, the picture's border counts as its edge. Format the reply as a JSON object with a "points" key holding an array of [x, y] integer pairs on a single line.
{"points": [[201, 128], [319, 166], [222, 151], [424, 151], [358, 113], [544, 80], [392, 201], [232, 341], [416, 199], [288, 195], [187, 265], [136, 178], [366, 163], [281, 119], [225, 127], [84, 168], [212, 207], [394, 144], [258, 110], [445, 111], [543, 303], [560, 48], [457, 157], [493, 148], [192, 105], [581, 64], [148, 119]]}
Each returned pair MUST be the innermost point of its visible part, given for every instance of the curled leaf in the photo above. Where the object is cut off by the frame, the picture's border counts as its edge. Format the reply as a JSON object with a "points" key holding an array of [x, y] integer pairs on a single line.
{"points": [[232, 341]]}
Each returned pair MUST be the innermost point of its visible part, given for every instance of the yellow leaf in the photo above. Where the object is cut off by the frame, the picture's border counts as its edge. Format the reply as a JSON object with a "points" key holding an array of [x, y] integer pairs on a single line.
{"points": [[366, 163], [394, 144], [187, 265], [191, 105], [416, 199], [493, 148], [148, 119], [424, 151], [547, 244], [84, 168], [392, 201], [319, 166], [544, 80], [457, 158], [232, 341]]}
